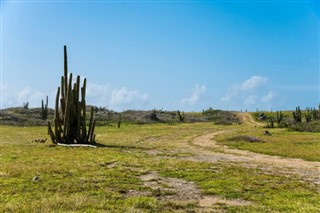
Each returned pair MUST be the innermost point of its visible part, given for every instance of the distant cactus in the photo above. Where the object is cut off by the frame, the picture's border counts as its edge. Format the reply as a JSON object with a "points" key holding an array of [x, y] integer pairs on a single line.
{"points": [[70, 117], [308, 115], [270, 124], [279, 117], [297, 115], [25, 105], [180, 116], [44, 109], [316, 114], [119, 121], [153, 115]]}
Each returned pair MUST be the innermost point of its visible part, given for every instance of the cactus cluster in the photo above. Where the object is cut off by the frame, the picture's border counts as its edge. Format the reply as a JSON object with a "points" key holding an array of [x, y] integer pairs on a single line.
{"points": [[316, 113], [309, 114], [70, 117], [297, 115], [44, 109]]}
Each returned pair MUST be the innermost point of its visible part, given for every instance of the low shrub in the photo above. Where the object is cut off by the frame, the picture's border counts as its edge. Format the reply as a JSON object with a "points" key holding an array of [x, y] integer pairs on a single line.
{"points": [[245, 138], [312, 126]]}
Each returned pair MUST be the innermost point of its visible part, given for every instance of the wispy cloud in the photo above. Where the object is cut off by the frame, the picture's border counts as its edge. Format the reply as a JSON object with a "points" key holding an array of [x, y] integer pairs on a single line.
{"points": [[96, 94], [252, 92], [124, 96], [197, 91], [253, 83], [29, 95], [251, 99], [269, 97], [115, 98], [14, 97]]}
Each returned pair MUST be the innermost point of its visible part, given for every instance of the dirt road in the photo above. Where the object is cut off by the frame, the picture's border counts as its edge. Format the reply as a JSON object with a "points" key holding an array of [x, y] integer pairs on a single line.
{"points": [[206, 149]]}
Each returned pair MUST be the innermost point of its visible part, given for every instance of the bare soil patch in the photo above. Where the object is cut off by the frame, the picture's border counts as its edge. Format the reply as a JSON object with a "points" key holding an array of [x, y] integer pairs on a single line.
{"points": [[179, 190]]}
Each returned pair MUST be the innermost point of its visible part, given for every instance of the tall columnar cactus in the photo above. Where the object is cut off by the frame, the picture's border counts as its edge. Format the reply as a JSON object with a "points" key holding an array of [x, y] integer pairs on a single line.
{"points": [[70, 117], [44, 109], [308, 114], [279, 117], [297, 115]]}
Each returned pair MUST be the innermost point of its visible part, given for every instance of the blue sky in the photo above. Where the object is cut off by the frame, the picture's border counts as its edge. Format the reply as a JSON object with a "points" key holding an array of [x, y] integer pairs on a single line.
{"points": [[186, 55]]}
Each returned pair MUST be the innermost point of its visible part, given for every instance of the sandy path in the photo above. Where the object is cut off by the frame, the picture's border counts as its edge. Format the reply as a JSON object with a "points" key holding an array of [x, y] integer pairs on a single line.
{"points": [[246, 118], [208, 150]]}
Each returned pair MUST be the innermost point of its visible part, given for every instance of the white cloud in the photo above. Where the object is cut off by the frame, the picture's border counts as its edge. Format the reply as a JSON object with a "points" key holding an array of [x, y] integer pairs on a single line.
{"points": [[197, 91], [269, 97], [13, 97], [251, 93], [247, 86], [31, 96], [226, 98], [8, 98], [254, 82], [97, 94], [124, 96], [251, 99], [115, 98]]}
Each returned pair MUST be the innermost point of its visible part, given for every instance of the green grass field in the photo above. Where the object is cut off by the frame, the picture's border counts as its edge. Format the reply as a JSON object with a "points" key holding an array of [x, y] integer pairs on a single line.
{"points": [[154, 168]]}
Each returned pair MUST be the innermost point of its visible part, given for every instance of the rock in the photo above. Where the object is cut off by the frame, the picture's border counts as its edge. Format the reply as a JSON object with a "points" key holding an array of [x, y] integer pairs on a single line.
{"points": [[36, 178]]}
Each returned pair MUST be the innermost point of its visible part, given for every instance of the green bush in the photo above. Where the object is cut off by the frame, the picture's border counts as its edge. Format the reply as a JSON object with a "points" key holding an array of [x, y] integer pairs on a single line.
{"points": [[312, 126]]}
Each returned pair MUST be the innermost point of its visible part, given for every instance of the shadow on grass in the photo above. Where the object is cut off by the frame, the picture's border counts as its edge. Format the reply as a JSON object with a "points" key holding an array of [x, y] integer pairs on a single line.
{"points": [[99, 145]]}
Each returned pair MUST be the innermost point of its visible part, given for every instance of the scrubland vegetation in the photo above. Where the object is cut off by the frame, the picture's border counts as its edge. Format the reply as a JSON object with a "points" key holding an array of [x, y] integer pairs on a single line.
{"points": [[307, 120], [159, 167]]}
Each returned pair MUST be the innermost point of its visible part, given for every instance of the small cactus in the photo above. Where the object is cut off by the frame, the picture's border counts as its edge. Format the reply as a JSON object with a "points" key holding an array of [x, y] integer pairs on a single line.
{"points": [[180, 116], [119, 121], [25, 105], [44, 110]]}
